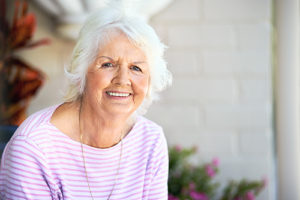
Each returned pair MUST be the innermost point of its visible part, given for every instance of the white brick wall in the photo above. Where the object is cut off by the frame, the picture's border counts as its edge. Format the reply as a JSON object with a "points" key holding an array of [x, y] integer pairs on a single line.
{"points": [[202, 35], [183, 12], [237, 117], [221, 99], [254, 36], [201, 90], [237, 10], [236, 63]]}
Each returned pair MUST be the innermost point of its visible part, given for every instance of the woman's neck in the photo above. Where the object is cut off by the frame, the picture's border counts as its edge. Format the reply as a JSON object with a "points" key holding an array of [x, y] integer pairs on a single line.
{"points": [[101, 129]]}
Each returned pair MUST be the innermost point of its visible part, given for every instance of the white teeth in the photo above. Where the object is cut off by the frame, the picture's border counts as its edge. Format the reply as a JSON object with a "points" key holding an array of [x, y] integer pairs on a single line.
{"points": [[116, 94]]}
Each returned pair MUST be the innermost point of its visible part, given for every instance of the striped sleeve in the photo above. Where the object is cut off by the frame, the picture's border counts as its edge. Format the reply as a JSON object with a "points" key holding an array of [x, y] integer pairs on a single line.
{"points": [[159, 184], [24, 172]]}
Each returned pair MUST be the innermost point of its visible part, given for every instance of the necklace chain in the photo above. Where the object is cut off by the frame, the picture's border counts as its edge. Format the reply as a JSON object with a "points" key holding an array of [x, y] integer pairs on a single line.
{"points": [[84, 163]]}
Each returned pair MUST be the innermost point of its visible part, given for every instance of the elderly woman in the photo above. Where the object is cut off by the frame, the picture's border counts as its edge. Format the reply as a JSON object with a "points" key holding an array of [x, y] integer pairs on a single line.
{"points": [[96, 145]]}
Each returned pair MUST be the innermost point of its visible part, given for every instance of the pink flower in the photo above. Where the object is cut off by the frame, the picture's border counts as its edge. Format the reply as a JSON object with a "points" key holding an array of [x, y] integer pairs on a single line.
{"points": [[198, 196], [209, 171], [250, 196], [216, 162], [178, 148], [171, 197]]}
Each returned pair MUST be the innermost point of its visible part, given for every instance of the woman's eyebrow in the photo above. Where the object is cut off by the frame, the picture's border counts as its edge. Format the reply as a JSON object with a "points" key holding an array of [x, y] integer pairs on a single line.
{"points": [[135, 62], [139, 62], [106, 57]]}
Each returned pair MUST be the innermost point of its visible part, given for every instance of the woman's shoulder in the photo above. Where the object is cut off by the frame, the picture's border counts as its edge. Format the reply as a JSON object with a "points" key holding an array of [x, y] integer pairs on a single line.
{"points": [[148, 124], [35, 121], [150, 135], [28, 134], [148, 130]]}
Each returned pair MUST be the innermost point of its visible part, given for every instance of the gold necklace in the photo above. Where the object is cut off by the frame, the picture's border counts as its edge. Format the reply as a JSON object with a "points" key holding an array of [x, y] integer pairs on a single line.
{"points": [[84, 165]]}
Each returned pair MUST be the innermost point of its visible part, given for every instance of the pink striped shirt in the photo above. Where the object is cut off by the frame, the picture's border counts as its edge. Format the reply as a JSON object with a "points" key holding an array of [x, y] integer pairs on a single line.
{"points": [[40, 162]]}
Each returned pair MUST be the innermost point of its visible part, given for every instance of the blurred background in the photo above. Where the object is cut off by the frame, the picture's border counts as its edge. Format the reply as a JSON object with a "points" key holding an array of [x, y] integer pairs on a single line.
{"points": [[235, 94]]}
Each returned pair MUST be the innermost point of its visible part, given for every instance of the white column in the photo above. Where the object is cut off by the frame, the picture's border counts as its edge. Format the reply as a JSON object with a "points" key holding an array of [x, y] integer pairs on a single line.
{"points": [[287, 90]]}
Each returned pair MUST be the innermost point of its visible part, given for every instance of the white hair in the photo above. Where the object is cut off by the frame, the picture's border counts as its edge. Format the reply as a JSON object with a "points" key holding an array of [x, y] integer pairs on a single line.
{"points": [[99, 28]]}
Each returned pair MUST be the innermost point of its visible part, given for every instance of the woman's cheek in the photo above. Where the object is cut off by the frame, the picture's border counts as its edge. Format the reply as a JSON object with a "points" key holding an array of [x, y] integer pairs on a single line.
{"points": [[143, 85]]}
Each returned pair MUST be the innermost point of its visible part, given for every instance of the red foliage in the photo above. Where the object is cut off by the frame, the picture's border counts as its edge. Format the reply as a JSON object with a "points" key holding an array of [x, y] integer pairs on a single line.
{"points": [[19, 81]]}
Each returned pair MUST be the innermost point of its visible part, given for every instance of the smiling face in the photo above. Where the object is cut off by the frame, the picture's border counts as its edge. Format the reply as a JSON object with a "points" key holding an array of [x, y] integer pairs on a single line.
{"points": [[118, 81]]}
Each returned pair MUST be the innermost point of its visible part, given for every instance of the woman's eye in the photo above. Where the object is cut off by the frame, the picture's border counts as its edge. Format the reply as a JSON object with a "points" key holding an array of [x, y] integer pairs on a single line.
{"points": [[136, 68], [106, 65]]}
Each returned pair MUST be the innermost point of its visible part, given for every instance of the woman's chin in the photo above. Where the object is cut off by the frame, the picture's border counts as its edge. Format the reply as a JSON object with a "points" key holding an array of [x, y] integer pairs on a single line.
{"points": [[120, 109]]}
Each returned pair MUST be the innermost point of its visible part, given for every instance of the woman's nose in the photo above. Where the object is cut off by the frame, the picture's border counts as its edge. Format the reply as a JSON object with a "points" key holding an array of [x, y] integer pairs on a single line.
{"points": [[122, 76]]}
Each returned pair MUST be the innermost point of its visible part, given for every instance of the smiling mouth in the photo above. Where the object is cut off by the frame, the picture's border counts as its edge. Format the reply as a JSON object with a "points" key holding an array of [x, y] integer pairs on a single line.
{"points": [[118, 94]]}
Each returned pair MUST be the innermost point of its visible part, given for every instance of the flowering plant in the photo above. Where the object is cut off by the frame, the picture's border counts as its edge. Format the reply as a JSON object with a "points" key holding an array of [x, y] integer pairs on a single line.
{"points": [[189, 182], [243, 190]]}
